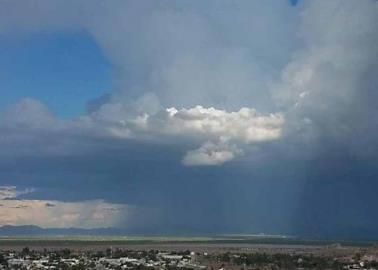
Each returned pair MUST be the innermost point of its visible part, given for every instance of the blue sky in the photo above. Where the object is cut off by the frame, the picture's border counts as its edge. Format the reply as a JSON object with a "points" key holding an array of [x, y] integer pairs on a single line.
{"points": [[191, 117], [63, 70]]}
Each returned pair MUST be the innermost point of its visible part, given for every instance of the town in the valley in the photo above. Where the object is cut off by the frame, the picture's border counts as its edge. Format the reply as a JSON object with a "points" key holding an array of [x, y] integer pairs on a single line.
{"points": [[267, 258]]}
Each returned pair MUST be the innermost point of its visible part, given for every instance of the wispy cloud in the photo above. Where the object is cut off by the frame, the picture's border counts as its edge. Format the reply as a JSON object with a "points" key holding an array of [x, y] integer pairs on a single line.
{"points": [[47, 213], [11, 192], [84, 214]]}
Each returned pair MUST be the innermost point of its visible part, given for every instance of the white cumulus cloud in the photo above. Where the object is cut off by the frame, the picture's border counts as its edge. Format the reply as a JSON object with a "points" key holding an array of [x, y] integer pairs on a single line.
{"points": [[216, 129], [211, 154]]}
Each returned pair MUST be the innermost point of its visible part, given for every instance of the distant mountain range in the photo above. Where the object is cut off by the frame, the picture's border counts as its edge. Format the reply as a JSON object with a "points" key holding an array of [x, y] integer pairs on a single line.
{"points": [[33, 230], [30, 230]]}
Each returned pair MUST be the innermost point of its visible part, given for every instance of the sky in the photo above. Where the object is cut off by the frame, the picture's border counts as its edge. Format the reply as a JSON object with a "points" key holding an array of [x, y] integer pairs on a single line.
{"points": [[190, 117]]}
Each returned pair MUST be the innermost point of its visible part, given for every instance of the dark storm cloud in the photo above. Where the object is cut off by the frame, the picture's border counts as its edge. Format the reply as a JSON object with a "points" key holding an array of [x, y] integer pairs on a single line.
{"points": [[303, 163]]}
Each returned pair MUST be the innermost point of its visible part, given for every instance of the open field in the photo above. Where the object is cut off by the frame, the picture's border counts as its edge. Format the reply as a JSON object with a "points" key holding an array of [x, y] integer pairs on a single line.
{"points": [[270, 244]]}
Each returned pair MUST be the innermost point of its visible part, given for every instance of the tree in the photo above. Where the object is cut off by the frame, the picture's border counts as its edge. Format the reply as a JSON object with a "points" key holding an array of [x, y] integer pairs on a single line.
{"points": [[66, 253], [25, 251], [3, 261], [108, 252]]}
